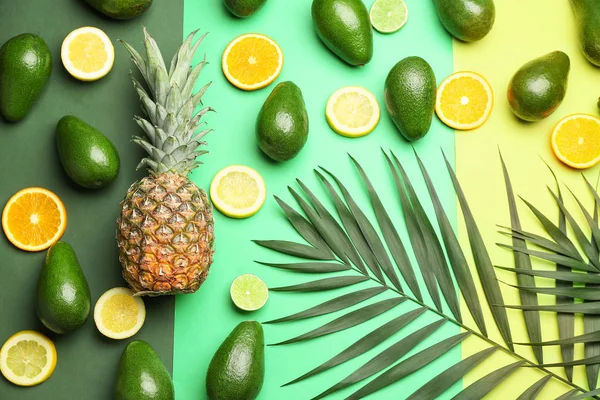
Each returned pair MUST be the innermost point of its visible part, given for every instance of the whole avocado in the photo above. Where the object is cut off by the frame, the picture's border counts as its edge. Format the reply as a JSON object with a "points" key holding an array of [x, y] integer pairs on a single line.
{"points": [[120, 9], [345, 28], [587, 18], [25, 67], [243, 8], [466, 20], [237, 370], [410, 90], [282, 123], [63, 295], [539, 87], [87, 156], [142, 375]]}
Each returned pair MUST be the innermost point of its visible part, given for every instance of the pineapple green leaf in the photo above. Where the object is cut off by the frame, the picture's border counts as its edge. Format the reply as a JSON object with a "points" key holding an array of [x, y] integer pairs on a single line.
{"points": [[303, 227], [589, 337], [325, 225], [534, 390], [322, 284], [416, 240], [484, 266], [584, 293], [480, 388], [366, 343], [408, 366], [388, 230], [386, 358], [349, 320], [435, 252], [336, 304], [190, 82], [577, 308], [553, 258], [352, 228], [197, 98], [557, 275], [137, 59], [455, 254], [295, 249], [522, 261], [310, 267], [444, 380]]}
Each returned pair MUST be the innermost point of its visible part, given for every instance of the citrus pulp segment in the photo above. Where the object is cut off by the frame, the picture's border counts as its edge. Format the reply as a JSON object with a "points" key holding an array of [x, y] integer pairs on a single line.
{"points": [[238, 191]]}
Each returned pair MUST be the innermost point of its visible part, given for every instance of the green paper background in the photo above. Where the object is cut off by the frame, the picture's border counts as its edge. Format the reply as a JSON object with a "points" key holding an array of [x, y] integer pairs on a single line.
{"points": [[87, 362], [204, 319]]}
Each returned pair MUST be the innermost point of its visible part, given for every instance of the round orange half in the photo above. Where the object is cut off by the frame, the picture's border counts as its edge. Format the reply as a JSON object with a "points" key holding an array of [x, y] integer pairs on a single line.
{"points": [[252, 61], [464, 100], [575, 140], [34, 219]]}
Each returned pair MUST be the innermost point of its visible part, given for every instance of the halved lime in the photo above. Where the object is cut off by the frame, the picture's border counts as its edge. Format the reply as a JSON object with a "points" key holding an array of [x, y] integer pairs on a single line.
{"points": [[249, 292], [388, 16]]}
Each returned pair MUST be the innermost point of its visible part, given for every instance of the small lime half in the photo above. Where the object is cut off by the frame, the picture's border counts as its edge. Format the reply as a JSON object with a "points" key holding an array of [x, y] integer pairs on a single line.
{"points": [[388, 16], [249, 292]]}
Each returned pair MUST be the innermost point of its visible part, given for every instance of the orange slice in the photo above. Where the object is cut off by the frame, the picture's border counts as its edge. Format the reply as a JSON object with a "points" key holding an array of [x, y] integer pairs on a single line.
{"points": [[464, 100], [575, 140], [252, 61], [34, 219]]}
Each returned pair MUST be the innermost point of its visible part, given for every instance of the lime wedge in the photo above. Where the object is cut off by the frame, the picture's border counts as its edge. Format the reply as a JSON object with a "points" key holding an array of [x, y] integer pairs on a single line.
{"points": [[388, 16], [249, 292]]}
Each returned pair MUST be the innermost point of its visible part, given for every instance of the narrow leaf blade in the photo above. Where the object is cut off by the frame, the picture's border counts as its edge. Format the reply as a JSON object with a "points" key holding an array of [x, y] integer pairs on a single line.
{"points": [[557, 275], [322, 284], [534, 390], [309, 267], [578, 308], [295, 249], [478, 389]]}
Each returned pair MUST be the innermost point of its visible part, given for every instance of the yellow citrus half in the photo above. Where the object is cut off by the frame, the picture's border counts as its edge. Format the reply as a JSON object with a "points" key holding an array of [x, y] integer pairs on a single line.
{"points": [[27, 358], [119, 314], [252, 61], [464, 100], [352, 111], [575, 140], [87, 54], [34, 219], [238, 191]]}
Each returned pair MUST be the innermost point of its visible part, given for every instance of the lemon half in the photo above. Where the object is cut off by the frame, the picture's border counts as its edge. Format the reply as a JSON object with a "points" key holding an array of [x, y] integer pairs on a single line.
{"points": [[119, 314], [352, 111], [87, 54], [27, 358], [238, 191]]}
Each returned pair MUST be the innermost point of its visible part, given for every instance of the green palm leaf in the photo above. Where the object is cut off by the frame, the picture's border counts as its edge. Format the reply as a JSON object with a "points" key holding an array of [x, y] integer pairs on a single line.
{"points": [[589, 337], [577, 308], [537, 240], [295, 249], [366, 343], [483, 386], [349, 320], [584, 293], [553, 258], [534, 390], [484, 266], [322, 284], [337, 304], [569, 395], [308, 267], [587, 395], [557, 275], [522, 261], [443, 381]]}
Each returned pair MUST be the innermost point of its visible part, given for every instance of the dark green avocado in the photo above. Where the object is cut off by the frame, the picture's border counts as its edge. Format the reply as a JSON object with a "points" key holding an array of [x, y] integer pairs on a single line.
{"points": [[25, 67], [466, 20], [344, 27], [282, 123], [243, 8], [63, 295], [539, 87], [142, 375], [120, 9], [237, 369], [87, 156], [587, 18], [410, 90]]}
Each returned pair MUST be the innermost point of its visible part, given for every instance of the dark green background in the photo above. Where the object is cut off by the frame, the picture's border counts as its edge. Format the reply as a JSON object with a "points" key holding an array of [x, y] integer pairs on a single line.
{"points": [[87, 361]]}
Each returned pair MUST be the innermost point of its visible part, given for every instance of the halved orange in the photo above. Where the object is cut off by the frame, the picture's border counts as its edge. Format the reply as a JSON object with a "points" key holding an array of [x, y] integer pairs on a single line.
{"points": [[252, 61], [575, 140], [34, 219], [464, 100]]}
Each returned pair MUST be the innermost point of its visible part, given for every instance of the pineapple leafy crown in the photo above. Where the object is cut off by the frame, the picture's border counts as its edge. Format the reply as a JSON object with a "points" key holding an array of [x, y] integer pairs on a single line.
{"points": [[172, 126]]}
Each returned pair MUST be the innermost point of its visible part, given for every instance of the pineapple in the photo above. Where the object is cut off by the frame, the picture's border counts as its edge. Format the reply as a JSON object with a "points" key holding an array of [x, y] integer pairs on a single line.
{"points": [[165, 229]]}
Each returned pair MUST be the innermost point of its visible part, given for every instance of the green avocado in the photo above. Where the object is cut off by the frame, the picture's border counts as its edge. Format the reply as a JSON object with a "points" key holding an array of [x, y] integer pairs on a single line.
{"points": [[25, 67], [282, 123], [237, 369], [538, 87], [409, 93], [466, 20], [243, 8], [587, 18], [63, 295], [142, 375], [120, 9], [345, 28], [87, 156]]}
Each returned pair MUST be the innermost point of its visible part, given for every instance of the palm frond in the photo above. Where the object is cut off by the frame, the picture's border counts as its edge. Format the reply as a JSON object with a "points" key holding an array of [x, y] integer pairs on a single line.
{"points": [[534, 390], [322, 284]]}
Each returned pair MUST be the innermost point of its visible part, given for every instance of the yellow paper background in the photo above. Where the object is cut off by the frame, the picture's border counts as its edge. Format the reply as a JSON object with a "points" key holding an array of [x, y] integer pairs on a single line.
{"points": [[524, 29]]}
